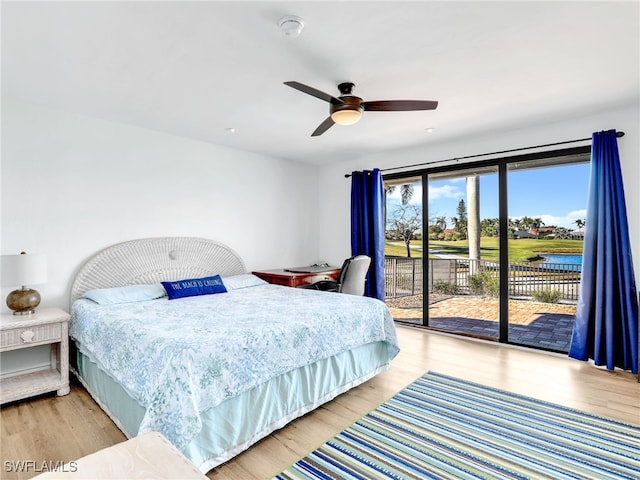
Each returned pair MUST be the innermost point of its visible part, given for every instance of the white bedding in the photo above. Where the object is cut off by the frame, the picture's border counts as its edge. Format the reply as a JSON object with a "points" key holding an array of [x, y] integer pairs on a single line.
{"points": [[179, 358]]}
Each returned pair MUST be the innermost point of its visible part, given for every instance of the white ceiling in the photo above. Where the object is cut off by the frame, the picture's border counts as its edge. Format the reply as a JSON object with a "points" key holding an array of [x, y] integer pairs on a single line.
{"points": [[197, 68]]}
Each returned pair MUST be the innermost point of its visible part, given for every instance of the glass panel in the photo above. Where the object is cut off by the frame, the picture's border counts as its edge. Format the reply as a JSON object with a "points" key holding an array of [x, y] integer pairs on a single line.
{"points": [[463, 247], [547, 212], [403, 250]]}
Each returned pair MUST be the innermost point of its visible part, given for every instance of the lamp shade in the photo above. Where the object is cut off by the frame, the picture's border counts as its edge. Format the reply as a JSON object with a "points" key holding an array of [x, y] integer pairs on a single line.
{"points": [[23, 269]]}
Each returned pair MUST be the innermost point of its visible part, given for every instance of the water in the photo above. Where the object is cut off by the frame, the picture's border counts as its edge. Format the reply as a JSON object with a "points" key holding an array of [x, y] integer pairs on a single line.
{"points": [[550, 261], [566, 259]]}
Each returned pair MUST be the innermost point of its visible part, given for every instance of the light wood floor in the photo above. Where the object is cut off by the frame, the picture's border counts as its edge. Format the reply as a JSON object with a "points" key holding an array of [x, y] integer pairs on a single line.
{"points": [[66, 428]]}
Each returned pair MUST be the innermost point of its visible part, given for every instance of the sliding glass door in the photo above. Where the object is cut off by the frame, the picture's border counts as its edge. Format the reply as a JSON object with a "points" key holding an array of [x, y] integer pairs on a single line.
{"points": [[463, 275], [547, 221], [491, 251]]}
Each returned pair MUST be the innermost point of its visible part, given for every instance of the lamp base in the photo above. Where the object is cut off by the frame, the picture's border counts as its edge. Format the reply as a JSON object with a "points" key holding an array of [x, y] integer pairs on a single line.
{"points": [[23, 301]]}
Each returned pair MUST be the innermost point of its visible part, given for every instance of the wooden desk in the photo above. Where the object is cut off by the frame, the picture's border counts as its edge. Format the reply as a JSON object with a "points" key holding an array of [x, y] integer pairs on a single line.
{"points": [[281, 276]]}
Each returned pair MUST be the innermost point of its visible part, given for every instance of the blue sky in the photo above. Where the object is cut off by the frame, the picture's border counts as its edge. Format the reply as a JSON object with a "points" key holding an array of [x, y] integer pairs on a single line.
{"points": [[557, 195]]}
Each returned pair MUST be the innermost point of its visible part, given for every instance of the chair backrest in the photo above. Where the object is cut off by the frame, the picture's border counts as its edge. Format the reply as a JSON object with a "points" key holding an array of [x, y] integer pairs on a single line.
{"points": [[353, 275]]}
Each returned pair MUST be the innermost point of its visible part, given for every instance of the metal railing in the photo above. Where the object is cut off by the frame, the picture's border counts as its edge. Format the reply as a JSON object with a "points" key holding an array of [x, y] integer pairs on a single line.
{"points": [[403, 276]]}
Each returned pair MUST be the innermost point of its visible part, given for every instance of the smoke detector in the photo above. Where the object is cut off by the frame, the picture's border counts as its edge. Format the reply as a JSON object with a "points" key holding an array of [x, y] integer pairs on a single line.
{"points": [[290, 25]]}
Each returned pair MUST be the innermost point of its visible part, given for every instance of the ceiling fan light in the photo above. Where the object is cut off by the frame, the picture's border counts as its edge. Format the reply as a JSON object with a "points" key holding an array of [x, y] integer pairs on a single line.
{"points": [[346, 117]]}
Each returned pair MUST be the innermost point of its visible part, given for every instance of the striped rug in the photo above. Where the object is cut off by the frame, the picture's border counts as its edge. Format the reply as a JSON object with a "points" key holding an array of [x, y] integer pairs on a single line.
{"points": [[445, 428]]}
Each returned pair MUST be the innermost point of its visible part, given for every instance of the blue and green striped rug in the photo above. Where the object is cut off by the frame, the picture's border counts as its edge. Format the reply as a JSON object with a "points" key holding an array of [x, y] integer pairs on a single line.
{"points": [[445, 428]]}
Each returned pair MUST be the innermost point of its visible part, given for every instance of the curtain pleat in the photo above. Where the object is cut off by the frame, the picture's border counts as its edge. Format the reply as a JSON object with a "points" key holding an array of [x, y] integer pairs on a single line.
{"points": [[606, 325], [367, 226]]}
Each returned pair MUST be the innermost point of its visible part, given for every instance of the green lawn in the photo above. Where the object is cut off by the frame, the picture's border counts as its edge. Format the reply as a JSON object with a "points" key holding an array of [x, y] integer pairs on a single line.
{"points": [[398, 249], [519, 250]]}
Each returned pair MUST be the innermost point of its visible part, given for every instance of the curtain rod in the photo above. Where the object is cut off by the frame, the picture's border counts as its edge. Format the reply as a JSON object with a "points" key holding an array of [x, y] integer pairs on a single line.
{"points": [[618, 134]]}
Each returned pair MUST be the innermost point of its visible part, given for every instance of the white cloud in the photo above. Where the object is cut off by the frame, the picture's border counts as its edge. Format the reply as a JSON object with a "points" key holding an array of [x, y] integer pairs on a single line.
{"points": [[578, 214], [445, 191]]}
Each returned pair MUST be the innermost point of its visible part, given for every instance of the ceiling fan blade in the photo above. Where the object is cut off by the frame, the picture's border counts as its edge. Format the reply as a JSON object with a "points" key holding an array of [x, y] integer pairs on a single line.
{"points": [[315, 92], [399, 105], [323, 127]]}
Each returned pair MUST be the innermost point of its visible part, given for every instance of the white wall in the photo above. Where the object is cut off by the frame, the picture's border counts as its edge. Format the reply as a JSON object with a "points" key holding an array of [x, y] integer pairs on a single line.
{"points": [[72, 185], [334, 213]]}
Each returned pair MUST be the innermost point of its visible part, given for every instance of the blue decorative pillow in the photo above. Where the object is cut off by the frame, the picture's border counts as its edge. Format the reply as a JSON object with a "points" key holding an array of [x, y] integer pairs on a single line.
{"points": [[194, 286]]}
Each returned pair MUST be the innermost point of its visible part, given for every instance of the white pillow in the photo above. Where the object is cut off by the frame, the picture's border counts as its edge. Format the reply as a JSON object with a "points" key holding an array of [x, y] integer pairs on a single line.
{"points": [[127, 294], [243, 280]]}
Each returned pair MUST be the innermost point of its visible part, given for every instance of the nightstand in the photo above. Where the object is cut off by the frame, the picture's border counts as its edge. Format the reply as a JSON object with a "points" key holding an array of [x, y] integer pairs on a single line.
{"points": [[48, 326]]}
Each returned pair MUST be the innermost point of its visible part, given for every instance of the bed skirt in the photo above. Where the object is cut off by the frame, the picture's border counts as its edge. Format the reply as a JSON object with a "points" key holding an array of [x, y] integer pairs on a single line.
{"points": [[239, 422]]}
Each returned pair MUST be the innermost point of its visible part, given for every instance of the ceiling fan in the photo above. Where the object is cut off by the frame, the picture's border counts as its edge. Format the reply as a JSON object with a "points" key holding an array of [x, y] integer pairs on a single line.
{"points": [[347, 108]]}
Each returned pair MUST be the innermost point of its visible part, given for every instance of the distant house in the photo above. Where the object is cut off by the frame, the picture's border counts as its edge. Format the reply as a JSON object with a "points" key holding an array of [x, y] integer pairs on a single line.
{"points": [[523, 234], [576, 234], [544, 231]]}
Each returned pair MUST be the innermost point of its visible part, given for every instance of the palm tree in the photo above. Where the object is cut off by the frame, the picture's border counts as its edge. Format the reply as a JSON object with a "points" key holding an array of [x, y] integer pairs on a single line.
{"points": [[441, 222], [536, 223], [517, 223], [406, 192]]}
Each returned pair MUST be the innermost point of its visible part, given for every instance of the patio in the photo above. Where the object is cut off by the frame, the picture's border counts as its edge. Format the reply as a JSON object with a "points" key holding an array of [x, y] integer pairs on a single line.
{"points": [[542, 325]]}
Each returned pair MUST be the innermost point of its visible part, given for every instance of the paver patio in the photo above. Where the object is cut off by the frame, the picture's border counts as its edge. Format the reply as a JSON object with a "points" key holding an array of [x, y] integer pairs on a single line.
{"points": [[544, 325]]}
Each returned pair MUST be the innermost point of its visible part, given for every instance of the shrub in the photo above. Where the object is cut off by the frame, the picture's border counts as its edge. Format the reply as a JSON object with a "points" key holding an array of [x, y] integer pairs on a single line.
{"points": [[445, 288], [483, 283], [547, 296]]}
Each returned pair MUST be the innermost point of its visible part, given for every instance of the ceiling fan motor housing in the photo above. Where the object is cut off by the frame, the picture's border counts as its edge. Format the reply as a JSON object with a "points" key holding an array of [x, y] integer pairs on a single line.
{"points": [[351, 102], [345, 88]]}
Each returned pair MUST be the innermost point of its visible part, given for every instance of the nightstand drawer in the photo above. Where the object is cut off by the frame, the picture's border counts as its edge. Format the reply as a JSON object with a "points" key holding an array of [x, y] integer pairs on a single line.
{"points": [[31, 335]]}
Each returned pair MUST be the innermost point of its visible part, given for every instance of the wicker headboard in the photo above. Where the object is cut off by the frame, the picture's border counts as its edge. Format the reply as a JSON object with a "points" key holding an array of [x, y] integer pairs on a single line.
{"points": [[152, 260]]}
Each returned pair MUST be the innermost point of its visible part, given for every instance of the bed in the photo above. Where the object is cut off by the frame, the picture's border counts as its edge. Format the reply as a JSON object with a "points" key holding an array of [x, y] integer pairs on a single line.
{"points": [[214, 373]]}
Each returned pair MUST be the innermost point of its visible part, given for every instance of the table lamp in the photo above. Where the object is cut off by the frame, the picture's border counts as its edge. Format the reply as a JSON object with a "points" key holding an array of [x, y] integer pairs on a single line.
{"points": [[23, 270]]}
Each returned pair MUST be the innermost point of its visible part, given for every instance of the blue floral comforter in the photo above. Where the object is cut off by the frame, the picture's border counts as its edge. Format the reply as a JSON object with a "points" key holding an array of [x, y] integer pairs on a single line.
{"points": [[178, 358]]}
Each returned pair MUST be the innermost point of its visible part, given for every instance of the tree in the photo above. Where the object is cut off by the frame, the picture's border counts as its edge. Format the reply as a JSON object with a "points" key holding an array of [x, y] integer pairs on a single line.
{"points": [[526, 224], [515, 223], [405, 223], [441, 222], [580, 223], [460, 222], [536, 224], [489, 227], [406, 192], [437, 225]]}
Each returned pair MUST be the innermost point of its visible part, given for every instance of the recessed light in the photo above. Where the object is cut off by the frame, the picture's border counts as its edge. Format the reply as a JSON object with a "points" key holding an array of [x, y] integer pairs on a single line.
{"points": [[430, 129], [231, 130]]}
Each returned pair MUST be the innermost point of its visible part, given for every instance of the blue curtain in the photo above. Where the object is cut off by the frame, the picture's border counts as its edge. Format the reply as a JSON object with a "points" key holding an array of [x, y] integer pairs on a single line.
{"points": [[606, 326], [367, 226]]}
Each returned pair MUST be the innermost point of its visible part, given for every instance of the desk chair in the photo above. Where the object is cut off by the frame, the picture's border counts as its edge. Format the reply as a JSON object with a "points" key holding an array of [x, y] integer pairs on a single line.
{"points": [[351, 280]]}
